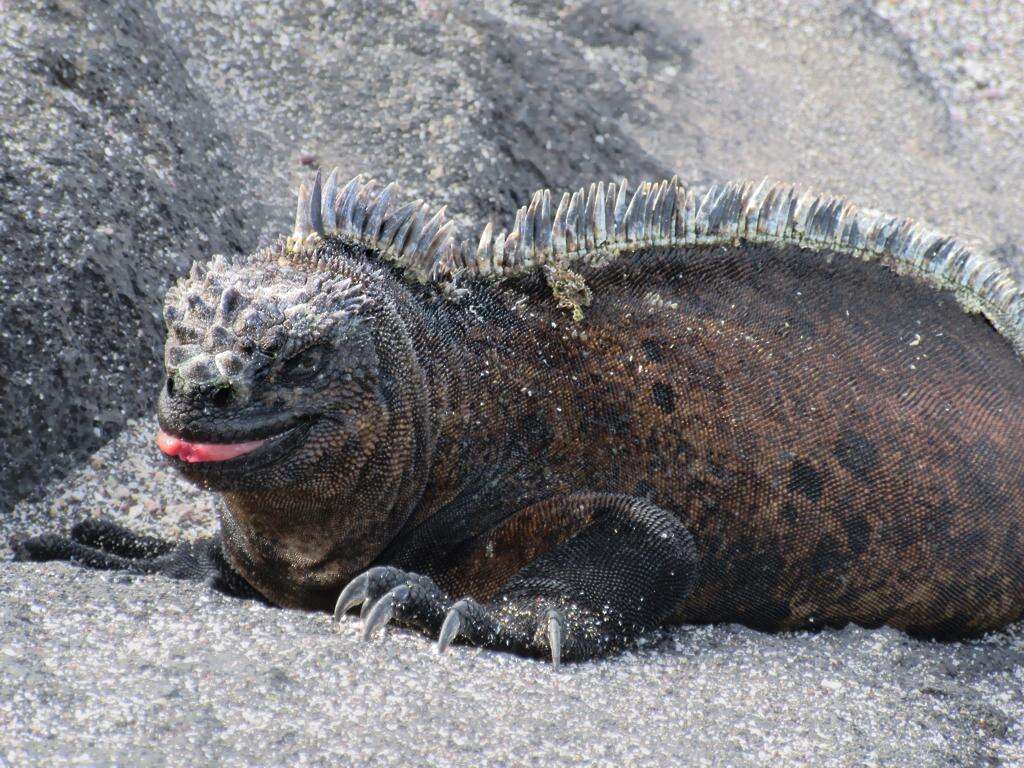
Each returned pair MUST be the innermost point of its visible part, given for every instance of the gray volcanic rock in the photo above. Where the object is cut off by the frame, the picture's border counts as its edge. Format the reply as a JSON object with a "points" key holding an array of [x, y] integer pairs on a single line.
{"points": [[136, 137], [113, 179], [467, 103]]}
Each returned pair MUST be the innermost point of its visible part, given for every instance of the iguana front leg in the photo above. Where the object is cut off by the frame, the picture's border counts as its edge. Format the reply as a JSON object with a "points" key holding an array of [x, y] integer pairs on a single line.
{"points": [[600, 569], [101, 544]]}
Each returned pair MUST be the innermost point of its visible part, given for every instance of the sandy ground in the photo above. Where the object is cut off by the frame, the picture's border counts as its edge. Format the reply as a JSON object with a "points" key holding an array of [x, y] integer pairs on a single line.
{"points": [[103, 669], [910, 107]]}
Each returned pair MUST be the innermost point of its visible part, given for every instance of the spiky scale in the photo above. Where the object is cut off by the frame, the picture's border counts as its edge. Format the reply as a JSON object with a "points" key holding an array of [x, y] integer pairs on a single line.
{"points": [[558, 241], [328, 212], [573, 237], [394, 222], [620, 210], [417, 224], [587, 226], [609, 209], [405, 229], [542, 231], [314, 204], [380, 209], [443, 235], [484, 254], [600, 225], [668, 216], [428, 235], [633, 219], [527, 227], [498, 259], [702, 215], [651, 205], [513, 258], [361, 208], [347, 201], [303, 224], [582, 222]]}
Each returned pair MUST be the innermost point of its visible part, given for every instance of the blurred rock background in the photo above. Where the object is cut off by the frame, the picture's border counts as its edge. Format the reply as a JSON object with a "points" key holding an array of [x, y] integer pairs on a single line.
{"points": [[137, 136]]}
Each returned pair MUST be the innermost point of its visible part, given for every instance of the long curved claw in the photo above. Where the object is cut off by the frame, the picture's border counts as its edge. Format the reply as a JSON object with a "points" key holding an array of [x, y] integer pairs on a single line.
{"points": [[352, 595], [451, 627], [383, 610], [368, 605], [556, 628]]}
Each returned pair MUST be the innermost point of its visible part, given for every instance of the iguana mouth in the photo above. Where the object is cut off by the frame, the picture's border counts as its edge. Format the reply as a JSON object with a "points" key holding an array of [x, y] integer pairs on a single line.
{"points": [[194, 453], [222, 456]]}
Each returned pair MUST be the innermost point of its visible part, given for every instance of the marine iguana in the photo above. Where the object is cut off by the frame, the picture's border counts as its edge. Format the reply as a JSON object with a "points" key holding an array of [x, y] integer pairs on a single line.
{"points": [[755, 406]]}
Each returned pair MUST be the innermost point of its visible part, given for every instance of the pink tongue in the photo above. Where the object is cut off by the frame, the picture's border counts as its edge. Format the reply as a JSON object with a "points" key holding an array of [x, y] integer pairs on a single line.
{"points": [[196, 452]]}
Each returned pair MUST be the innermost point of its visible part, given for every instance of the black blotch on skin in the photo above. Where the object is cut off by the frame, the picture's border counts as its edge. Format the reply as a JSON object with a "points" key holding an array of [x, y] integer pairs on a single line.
{"points": [[654, 348], [856, 454], [664, 397], [609, 417], [825, 557], [653, 443], [702, 375], [788, 511], [684, 450], [858, 531], [937, 517], [803, 478], [536, 432]]}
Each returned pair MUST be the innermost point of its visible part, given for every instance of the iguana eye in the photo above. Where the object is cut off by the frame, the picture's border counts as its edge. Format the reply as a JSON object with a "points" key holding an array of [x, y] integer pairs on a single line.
{"points": [[305, 364]]}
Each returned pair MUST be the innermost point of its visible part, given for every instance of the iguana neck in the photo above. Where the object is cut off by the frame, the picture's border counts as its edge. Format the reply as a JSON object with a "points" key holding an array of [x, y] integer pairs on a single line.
{"points": [[422, 384]]}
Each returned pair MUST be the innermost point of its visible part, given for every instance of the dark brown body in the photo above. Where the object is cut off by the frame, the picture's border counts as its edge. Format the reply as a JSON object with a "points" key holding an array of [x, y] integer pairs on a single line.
{"points": [[759, 429], [844, 444]]}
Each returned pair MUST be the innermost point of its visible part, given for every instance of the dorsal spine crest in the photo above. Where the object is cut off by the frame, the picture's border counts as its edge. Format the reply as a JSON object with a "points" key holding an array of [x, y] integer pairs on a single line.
{"points": [[597, 223]]}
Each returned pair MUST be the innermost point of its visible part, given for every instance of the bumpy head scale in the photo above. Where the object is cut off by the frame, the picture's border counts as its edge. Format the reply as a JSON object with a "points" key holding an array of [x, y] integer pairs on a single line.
{"points": [[229, 317]]}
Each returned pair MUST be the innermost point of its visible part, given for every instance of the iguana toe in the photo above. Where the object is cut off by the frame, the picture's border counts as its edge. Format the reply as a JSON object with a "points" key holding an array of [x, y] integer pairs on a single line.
{"points": [[379, 581], [352, 595], [47, 546], [383, 610], [387, 594], [556, 629], [452, 626], [103, 534]]}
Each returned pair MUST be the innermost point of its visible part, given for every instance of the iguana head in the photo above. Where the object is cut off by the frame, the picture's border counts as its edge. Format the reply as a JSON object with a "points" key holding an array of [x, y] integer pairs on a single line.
{"points": [[272, 375]]}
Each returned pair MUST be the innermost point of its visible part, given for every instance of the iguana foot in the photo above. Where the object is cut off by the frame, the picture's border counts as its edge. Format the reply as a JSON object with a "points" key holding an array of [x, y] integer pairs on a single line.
{"points": [[103, 545], [532, 627], [537, 631], [387, 593]]}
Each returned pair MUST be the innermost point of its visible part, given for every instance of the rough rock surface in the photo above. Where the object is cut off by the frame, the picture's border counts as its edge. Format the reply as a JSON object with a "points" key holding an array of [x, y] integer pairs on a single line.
{"points": [[135, 137], [113, 178]]}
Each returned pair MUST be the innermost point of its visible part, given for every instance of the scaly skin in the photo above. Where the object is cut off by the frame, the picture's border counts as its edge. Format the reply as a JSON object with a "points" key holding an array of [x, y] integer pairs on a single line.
{"points": [[747, 432]]}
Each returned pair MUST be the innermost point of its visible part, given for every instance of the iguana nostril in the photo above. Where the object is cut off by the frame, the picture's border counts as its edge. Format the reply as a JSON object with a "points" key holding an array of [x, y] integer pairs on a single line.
{"points": [[222, 397], [170, 386]]}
